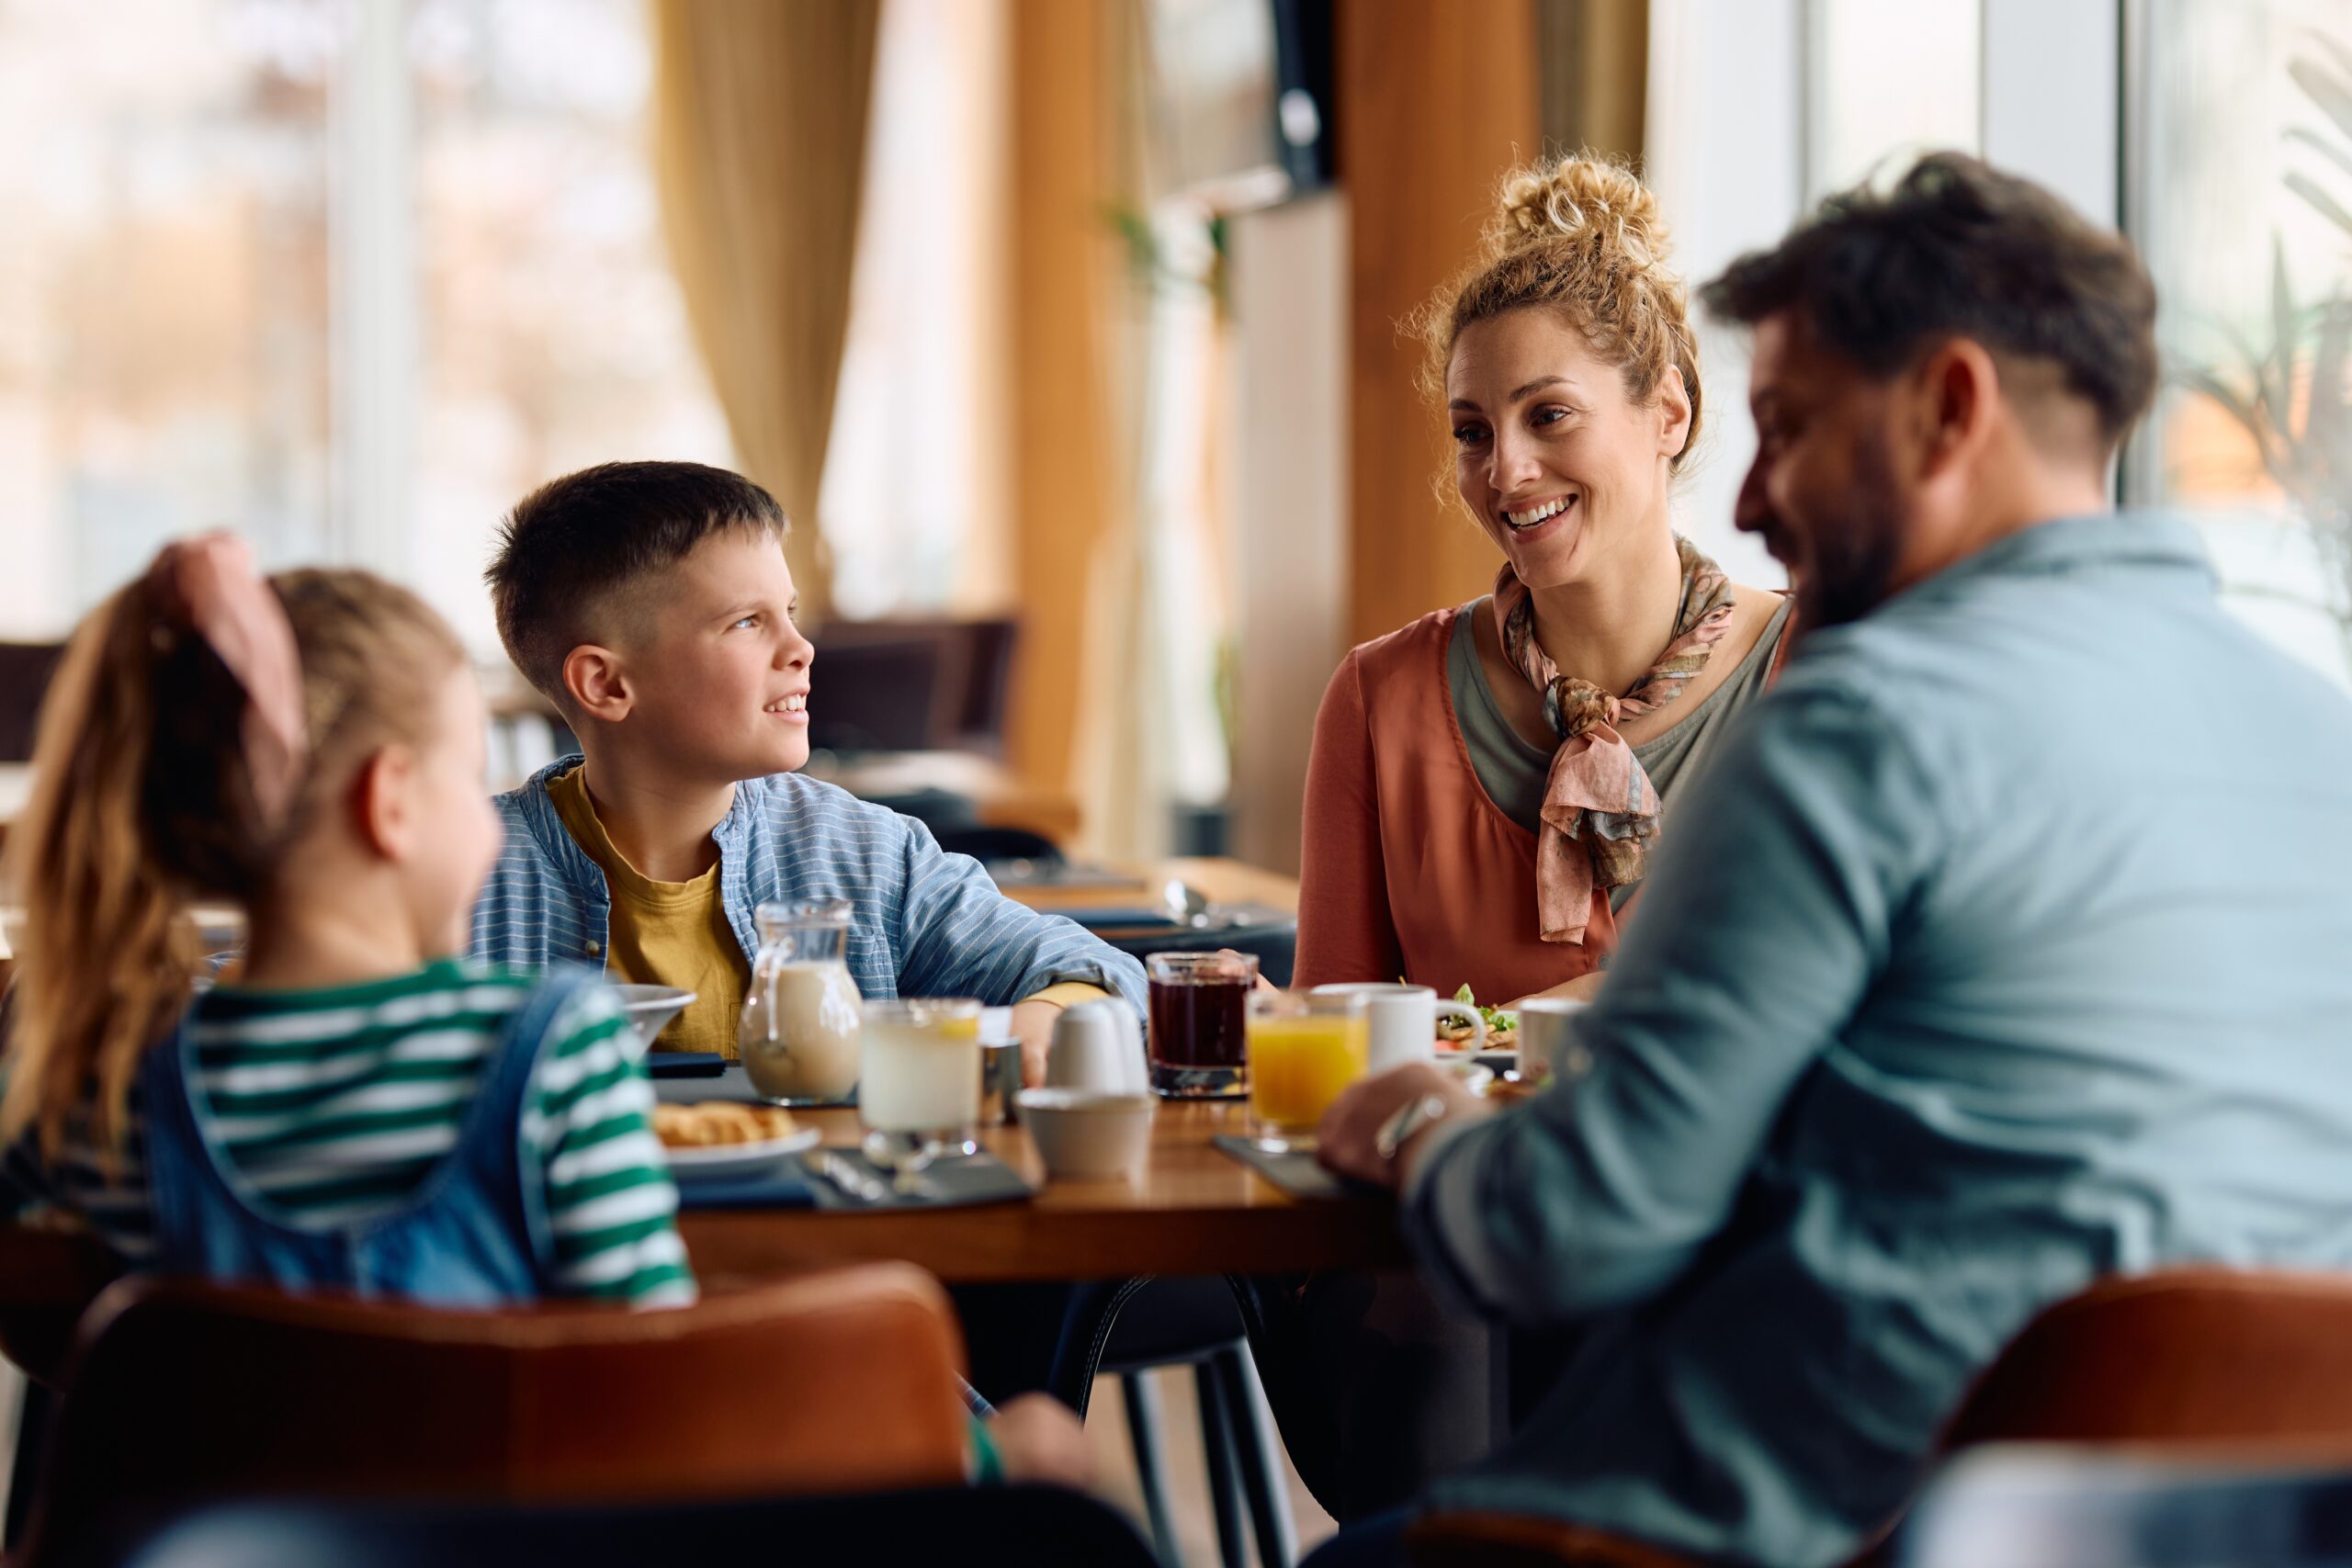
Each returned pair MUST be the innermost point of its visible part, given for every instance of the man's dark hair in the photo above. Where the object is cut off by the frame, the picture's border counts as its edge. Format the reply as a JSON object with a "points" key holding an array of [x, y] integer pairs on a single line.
{"points": [[571, 551], [1958, 248]]}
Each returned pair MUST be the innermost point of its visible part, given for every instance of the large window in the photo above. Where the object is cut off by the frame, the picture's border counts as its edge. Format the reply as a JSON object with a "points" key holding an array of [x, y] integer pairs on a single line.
{"points": [[348, 277], [164, 357], [917, 471], [2240, 144], [1890, 81]]}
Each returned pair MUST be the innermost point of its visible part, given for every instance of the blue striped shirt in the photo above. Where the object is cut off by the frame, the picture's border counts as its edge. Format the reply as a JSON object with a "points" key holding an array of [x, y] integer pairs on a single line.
{"points": [[928, 924]]}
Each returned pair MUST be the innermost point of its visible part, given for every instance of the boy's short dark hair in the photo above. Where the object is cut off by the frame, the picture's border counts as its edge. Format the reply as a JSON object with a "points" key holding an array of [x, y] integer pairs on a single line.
{"points": [[572, 549], [1959, 248]]}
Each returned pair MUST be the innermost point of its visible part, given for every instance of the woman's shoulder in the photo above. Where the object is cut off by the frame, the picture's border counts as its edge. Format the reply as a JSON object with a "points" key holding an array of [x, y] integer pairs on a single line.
{"points": [[1415, 651]]}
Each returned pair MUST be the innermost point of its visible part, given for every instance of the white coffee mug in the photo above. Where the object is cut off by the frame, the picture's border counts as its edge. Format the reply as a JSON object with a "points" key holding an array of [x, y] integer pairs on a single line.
{"points": [[1548, 1042], [1096, 1045], [1404, 1020]]}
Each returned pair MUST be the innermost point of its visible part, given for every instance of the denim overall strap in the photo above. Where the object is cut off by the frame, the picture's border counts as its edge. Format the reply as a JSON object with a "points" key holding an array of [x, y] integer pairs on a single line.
{"points": [[475, 1234], [204, 1228], [497, 1179]]}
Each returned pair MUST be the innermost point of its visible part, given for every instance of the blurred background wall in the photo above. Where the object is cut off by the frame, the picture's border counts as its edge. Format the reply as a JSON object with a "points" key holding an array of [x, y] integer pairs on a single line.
{"points": [[1064, 327]]}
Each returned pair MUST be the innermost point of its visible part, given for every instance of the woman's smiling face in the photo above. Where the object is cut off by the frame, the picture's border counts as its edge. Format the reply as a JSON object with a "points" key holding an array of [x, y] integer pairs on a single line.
{"points": [[1558, 464]]}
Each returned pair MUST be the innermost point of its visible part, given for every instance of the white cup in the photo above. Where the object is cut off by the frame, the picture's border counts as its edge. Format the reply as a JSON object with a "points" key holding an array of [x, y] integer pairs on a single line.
{"points": [[1404, 1020], [1547, 1037], [1096, 1045]]}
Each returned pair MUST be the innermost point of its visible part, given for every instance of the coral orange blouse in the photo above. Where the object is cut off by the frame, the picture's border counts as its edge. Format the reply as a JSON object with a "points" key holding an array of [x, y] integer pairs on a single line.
{"points": [[1408, 868]]}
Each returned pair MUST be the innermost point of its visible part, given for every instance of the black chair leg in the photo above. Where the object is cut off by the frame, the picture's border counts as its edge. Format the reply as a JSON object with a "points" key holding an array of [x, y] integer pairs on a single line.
{"points": [[24, 1474], [1225, 1483], [1151, 1475], [1262, 1478]]}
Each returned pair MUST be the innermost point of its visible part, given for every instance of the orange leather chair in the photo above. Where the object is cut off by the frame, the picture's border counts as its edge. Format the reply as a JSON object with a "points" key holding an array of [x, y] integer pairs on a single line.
{"points": [[2255, 1364], [2252, 1367], [834, 1381]]}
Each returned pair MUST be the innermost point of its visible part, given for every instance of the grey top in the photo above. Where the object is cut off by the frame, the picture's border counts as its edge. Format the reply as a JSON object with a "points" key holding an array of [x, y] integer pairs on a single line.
{"points": [[1512, 771], [1999, 946]]}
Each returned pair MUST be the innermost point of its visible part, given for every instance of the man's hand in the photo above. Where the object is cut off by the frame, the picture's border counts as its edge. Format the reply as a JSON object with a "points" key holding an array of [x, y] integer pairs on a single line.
{"points": [[1033, 1025], [1344, 1141]]}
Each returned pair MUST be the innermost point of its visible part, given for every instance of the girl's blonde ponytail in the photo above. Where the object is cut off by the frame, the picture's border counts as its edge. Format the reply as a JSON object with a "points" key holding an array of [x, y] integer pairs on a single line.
{"points": [[144, 801]]}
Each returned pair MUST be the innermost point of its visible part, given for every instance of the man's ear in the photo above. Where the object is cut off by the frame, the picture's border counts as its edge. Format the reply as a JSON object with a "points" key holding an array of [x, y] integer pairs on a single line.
{"points": [[383, 803], [598, 684], [1958, 387]]}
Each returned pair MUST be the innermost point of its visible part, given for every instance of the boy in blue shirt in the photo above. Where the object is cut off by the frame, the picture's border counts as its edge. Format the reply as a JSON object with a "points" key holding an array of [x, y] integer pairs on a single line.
{"points": [[652, 604]]}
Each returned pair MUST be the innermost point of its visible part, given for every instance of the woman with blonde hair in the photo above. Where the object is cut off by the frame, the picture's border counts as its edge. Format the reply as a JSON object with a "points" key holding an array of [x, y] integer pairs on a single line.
{"points": [[1486, 782]]}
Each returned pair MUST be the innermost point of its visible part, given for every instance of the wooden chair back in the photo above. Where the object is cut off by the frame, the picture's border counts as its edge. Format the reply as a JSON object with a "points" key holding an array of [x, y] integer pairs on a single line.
{"points": [[2246, 1367], [2256, 1363], [841, 1380]]}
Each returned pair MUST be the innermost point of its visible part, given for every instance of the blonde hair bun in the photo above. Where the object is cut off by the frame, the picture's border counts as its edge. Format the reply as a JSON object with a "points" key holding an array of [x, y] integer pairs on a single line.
{"points": [[1581, 197]]}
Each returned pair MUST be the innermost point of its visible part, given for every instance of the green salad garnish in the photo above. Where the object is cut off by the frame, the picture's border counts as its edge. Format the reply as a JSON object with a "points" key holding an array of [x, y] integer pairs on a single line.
{"points": [[1497, 1019]]}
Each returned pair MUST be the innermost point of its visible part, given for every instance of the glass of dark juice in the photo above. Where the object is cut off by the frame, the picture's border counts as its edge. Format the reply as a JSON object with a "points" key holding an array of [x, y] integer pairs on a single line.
{"points": [[1200, 1007]]}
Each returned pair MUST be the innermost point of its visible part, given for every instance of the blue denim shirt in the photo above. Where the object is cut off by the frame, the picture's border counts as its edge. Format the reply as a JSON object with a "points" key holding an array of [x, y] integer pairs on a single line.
{"points": [[2006, 944], [927, 923]]}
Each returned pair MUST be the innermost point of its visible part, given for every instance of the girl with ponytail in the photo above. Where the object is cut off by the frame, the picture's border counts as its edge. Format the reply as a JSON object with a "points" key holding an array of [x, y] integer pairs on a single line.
{"points": [[361, 1110]]}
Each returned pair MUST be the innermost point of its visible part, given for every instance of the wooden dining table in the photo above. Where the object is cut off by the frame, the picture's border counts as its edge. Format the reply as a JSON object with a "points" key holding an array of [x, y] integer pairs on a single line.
{"points": [[1193, 1209]]}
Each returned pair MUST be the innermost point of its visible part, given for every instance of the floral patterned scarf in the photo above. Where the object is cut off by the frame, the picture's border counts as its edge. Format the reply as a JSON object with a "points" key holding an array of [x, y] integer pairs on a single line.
{"points": [[1599, 810]]}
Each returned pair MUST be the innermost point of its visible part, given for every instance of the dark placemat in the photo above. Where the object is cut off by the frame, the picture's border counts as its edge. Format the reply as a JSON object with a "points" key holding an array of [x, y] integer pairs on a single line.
{"points": [[1294, 1171], [802, 1184], [946, 1184], [729, 1084], [684, 1063], [785, 1186]]}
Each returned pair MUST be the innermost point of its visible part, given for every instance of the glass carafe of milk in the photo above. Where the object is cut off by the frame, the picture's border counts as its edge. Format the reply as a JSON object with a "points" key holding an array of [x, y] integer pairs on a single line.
{"points": [[798, 1035]]}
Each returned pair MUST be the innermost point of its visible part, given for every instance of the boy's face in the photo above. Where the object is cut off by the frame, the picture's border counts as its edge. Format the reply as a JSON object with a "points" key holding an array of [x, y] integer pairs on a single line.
{"points": [[718, 674]]}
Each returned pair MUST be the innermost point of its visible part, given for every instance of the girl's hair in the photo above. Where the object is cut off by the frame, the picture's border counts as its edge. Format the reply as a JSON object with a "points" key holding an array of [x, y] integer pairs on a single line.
{"points": [[1580, 235], [143, 803]]}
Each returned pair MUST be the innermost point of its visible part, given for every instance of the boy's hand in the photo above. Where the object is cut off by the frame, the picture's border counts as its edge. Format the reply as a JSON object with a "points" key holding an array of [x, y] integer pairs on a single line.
{"points": [[1033, 1025]]}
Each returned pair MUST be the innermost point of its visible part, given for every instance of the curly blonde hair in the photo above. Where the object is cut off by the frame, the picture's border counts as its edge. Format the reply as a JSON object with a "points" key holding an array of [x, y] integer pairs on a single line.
{"points": [[1581, 235]]}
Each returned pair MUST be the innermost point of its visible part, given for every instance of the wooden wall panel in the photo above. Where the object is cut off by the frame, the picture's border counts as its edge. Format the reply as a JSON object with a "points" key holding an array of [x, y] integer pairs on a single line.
{"points": [[1063, 262], [1435, 99]]}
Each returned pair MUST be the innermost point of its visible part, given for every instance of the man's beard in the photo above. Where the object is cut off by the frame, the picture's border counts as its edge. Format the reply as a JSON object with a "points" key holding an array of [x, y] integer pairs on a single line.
{"points": [[1854, 549]]}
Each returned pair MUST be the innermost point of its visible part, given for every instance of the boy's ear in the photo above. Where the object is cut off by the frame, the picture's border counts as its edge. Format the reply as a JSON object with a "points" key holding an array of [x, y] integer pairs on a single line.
{"points": [[383, 806], [597, 686]]}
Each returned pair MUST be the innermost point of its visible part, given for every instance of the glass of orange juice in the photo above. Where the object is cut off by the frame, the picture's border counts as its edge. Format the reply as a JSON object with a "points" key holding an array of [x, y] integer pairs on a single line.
{"points": [[1303, 1049]]}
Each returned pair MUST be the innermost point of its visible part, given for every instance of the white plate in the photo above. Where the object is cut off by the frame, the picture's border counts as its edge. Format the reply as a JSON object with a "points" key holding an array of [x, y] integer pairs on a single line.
{"points": [[736, 1162]]}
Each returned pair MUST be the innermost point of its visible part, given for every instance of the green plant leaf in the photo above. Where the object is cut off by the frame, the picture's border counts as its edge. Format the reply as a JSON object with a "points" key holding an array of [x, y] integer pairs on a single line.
{"points": [[2278, 371], [2302, 185], [2331, 92], [2336, 51], [2339, 156], [2326, 455], [2268, 440]]}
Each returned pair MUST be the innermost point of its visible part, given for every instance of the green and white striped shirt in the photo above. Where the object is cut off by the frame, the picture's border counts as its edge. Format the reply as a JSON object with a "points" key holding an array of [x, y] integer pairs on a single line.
{"points": [[333, 1106]]}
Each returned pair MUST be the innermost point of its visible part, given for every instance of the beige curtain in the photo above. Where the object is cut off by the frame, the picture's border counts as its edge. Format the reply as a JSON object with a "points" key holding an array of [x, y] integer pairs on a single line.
{"points": [[760, 130]]}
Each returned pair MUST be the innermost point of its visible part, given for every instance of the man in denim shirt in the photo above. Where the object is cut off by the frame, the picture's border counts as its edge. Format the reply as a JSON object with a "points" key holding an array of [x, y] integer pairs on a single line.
{"points": [[2002, 948]]}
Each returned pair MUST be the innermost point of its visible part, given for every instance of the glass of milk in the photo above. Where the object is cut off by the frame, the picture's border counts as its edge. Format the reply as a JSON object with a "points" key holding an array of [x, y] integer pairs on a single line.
{"points": [[799, 1029], [918, 1080]]}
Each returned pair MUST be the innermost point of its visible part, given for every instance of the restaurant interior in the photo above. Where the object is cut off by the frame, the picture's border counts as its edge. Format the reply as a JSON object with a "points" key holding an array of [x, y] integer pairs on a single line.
{"points": [[1081, 343]]}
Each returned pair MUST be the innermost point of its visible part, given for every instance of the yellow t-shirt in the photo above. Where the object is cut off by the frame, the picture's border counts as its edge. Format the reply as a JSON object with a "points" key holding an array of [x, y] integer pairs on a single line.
{"points": [[663, 933]]}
